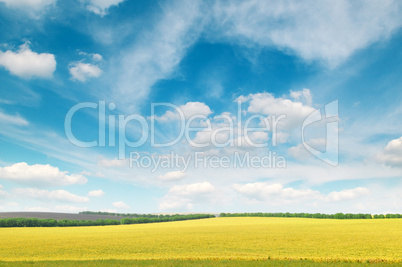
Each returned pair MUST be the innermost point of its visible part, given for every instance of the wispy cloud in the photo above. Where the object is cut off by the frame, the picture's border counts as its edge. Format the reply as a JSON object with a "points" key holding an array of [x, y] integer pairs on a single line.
{"points": [[158, 53], [327, 31], [277, 193], [13, 119], [172, 176], [120, 205], [55, 195], [101, 7], [32, 7]]}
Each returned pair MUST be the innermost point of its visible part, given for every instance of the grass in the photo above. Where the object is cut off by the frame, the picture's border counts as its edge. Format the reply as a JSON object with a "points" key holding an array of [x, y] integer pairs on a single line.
{"points": [[218, 240]]}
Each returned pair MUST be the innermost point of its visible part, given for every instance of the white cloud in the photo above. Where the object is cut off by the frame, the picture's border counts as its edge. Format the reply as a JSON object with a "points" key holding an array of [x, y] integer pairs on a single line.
{"points": [[301, 153], [95, 57], [328, 31], [120, 205], [187, 111], [303, 96], [186, 196], [112, 162], [172, 176], [190, 189], [174, 203], [83, 71], [259, 136], [2, 192], [29, 4], [55, 195], [96, 193], [267, 104], [44, 175], [348, 194], [275, 192], [100, 7], [13, 119], [392, 154], [27, 64], [158, 53]]}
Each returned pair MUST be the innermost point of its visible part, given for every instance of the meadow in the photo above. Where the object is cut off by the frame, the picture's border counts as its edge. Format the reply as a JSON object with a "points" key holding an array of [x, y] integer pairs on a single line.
{"points": [[215, 239]]}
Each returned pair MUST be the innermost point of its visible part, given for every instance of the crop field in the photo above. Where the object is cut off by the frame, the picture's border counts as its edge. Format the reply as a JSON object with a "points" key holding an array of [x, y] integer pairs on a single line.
{"points": [[211, 239]]}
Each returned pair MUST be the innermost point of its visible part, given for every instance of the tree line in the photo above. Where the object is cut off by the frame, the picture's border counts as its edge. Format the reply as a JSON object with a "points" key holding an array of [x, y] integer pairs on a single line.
{"points": [[165, 218], [315, 215], [34, 222], [131, 215]]}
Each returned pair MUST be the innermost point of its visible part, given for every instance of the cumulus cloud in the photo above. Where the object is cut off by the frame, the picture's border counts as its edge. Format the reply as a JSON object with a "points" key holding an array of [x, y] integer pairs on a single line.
{"points": [[189, 189], [101, 7], [327, 31], [27, 64], [268, 104], [348, 194], [108, 163], [172, 176], [96, 193], [95, 57], [303, 96], [174, 203], [44, 175], [275, 192], [300, 152], [278, 194], [186, 111], [55, 195], [13, 119], [392, 154], [81, 71], [120, 205], [185, 196]]}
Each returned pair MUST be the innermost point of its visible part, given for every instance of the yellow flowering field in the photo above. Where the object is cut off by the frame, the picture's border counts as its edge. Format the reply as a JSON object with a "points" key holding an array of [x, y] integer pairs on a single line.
{"points": [[216, 238]]}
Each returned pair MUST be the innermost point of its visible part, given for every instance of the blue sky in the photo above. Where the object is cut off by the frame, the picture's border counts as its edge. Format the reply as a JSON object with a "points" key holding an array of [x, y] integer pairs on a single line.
{"points": [[202, 57]]}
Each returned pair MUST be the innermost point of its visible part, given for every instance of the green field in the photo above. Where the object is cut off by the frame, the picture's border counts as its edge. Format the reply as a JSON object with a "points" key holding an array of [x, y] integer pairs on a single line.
{"points": [[230, 241]]}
